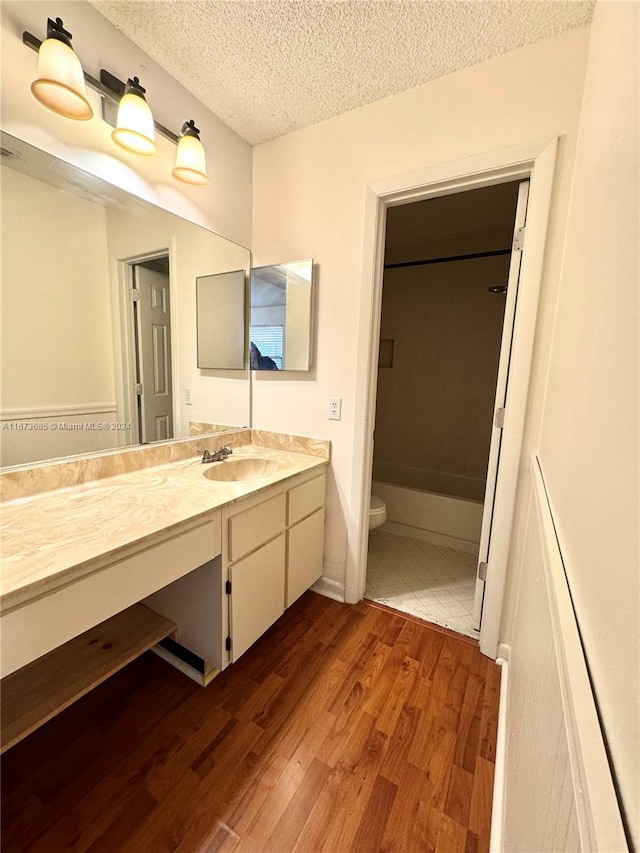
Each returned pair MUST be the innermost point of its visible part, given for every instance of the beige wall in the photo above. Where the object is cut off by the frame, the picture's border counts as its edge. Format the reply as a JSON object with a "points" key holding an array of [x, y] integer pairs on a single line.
{"points": [[590, 430], [225, 206], [52, 311], [56, 348], [309, 199], [435, 405]]}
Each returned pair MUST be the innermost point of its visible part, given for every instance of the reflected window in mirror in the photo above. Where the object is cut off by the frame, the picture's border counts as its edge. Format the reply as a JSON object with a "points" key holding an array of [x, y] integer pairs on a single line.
{"points": [[281, 327], [267, 347]]}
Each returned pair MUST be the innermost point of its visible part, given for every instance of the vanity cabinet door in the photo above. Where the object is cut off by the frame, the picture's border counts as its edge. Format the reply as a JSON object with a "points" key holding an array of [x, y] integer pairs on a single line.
{"points": [[257, 594], [305, 549]]}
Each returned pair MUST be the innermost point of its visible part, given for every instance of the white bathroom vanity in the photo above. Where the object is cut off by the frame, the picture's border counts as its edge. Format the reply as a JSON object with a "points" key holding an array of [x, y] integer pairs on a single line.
{"points": [[96, 573]]}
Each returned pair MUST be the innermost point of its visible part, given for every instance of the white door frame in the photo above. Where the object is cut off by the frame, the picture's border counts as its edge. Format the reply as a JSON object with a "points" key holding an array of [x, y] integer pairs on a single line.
{"points": [[124, 340], [534, 161]]}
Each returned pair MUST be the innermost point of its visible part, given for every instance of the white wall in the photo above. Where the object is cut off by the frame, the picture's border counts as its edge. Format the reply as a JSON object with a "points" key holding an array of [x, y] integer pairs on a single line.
{"points": [[225, 206], [56, 343], [589, 439], [268, 315], [55, 298], [309, 194]]}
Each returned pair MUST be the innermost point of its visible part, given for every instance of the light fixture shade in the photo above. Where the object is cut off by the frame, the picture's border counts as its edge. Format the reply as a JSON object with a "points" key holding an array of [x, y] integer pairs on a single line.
{"points": [[60, 84], [191, 166], [135, 130]]}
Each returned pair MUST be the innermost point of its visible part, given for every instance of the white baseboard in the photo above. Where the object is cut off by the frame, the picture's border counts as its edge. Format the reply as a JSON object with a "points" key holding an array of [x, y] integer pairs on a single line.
{"points": [[504, 651], [431, 536], [329, 588], [499, 778]]}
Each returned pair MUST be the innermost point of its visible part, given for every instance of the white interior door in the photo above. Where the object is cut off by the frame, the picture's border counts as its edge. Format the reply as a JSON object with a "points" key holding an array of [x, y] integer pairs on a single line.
{"points": [[500, 409], [154, 355]]}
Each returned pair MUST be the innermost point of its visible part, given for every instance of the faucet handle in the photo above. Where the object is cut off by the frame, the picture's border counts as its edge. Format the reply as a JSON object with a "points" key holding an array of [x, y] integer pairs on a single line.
{"points": [[206, 456]]}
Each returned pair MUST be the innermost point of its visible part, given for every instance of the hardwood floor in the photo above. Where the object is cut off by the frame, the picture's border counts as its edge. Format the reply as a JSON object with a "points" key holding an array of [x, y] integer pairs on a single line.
{"points": [[345, 728]]}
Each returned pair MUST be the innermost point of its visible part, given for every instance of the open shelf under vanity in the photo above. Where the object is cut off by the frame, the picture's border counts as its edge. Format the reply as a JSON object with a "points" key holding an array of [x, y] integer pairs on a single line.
{"points": [[41, 689]]}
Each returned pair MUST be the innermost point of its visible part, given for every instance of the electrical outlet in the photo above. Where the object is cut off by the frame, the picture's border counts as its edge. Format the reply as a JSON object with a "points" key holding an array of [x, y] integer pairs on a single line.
{"points": [[188, 396], [335, 408]]}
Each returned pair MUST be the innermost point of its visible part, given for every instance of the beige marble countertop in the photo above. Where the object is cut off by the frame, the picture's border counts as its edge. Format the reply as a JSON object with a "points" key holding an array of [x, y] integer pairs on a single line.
{"points": [[53, 538]]}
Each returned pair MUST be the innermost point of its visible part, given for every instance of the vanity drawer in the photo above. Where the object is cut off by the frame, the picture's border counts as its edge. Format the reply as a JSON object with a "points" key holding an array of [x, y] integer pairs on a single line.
{"points": [[251, 528], [306, 498]]}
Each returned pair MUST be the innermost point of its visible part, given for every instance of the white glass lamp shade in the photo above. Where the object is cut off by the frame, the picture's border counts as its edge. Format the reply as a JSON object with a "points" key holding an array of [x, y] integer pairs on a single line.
{"points": [[191, 166], [135, 131], [60, 84]]}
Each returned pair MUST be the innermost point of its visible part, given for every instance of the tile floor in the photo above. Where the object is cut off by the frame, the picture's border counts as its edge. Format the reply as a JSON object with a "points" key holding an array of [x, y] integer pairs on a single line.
{"points": [[428, 581]]}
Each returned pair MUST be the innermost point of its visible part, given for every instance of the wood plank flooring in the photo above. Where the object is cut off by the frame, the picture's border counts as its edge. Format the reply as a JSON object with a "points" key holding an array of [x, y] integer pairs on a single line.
{"points": [[345, 728]]}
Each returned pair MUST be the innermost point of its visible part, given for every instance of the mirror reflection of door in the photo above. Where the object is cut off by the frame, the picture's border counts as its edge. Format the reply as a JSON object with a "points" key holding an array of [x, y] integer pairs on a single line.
{"points": [[152, 325]]}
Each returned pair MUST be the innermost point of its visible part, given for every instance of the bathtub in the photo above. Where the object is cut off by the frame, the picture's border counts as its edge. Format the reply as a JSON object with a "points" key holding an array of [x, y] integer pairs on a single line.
{"points": [[445, 509]]}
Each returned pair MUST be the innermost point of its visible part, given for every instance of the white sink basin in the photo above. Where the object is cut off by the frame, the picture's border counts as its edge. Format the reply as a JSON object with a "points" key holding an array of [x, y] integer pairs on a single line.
{"points": [[252, 468]]}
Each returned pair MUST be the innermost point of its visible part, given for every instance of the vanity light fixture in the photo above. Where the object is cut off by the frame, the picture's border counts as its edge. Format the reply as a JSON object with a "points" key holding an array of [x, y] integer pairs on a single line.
{"points": [[135, 129], [60, 83], [191, 166], [61, 87]]}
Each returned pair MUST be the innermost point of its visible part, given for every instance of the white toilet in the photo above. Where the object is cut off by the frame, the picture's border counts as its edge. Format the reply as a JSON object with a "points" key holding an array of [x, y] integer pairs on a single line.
{"points": [[377, 512]]}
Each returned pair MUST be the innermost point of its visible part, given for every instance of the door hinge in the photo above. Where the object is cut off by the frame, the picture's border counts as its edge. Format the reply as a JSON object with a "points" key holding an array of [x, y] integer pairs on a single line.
{"points": [[135, 294], [518, 239], [498, 420], [227, 644], [482, 571], [227, 587], [139, 389]]}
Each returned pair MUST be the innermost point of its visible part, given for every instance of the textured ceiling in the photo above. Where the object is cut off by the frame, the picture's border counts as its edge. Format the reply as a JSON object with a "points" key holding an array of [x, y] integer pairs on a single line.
{"points": [[267, 67]]}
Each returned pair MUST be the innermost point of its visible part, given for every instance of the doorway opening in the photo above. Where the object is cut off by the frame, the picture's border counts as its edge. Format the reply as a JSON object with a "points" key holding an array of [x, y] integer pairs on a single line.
{"points": [[449, 293], [152, 400]]}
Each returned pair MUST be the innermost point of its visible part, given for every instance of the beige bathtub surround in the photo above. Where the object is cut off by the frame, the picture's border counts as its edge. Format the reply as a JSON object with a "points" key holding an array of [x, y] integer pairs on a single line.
{"points": [[291, 443], [29, 480], [58, 536]]}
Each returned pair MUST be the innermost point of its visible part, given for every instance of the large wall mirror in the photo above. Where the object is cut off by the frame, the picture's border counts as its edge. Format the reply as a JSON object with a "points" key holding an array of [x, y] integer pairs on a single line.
{"points": [[281, 327], [98, 329]]}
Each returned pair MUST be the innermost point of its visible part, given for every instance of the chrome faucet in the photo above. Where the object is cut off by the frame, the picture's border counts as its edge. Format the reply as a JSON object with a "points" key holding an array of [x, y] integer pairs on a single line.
{"points": [[218, 455]]}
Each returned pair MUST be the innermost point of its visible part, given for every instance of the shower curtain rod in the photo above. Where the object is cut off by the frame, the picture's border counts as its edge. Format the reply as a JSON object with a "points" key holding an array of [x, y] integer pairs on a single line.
{"points": [[449, 259]]}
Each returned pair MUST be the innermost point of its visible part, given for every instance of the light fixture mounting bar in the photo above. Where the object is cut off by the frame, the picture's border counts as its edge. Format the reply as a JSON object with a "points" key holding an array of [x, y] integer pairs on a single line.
{"points": [[109, 86]]}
